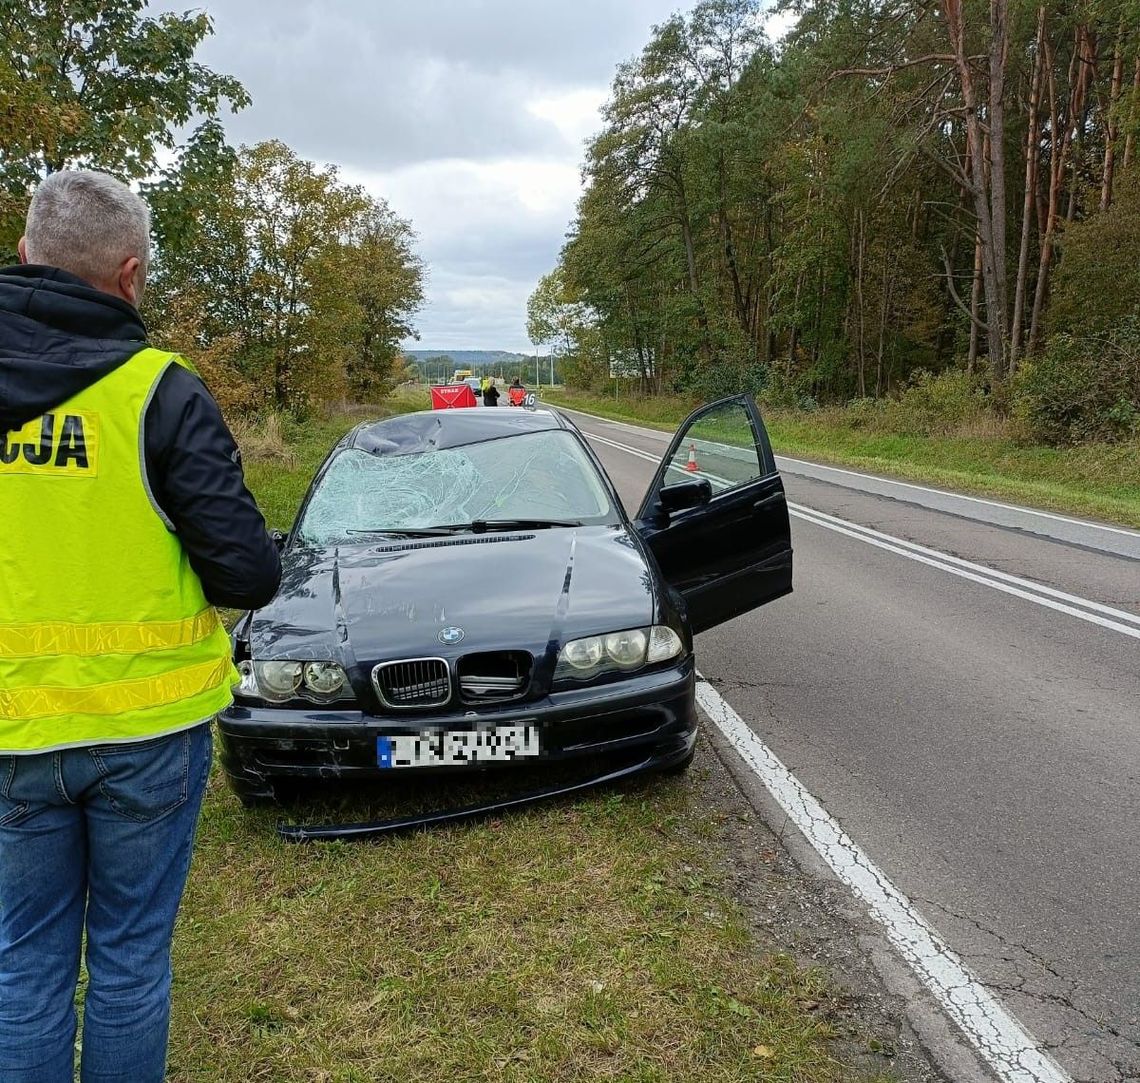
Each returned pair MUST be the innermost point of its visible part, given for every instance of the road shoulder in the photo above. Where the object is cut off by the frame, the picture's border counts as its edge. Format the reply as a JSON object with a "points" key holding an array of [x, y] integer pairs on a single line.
{"points": [[886, 1020]]}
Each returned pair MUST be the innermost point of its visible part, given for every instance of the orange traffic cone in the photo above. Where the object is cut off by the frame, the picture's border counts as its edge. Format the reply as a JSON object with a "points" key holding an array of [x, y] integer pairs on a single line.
{"points": [[691, 465]]}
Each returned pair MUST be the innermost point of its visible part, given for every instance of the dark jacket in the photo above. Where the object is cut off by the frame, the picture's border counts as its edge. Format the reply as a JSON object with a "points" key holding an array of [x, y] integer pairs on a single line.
{"points": [[491, 396], [58, 336]]}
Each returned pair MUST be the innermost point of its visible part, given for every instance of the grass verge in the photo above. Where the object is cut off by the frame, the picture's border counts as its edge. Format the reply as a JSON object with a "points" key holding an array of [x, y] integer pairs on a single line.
{"points": [[1097, 480], [585, 940], [577, 941]]}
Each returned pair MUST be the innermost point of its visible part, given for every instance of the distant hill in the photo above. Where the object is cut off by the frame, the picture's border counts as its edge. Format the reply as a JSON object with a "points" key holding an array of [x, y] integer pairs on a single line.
{"points": [[470, 357]]}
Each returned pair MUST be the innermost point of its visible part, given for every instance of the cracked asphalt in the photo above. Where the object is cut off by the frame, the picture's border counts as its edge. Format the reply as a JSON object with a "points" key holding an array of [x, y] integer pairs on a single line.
{"points": [[983, 750]]}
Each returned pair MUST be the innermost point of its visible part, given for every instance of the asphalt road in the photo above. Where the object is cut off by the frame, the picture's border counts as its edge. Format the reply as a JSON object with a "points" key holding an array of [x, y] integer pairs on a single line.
{"points": [[977, 736]]}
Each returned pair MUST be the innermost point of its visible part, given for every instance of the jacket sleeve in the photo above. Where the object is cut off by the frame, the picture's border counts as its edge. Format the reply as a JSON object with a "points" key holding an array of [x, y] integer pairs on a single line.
{"points": [[193, 467]]}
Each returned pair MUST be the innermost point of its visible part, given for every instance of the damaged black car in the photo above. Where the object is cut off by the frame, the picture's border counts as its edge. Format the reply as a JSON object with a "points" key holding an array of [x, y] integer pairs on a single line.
{"points": [[463, 591]]}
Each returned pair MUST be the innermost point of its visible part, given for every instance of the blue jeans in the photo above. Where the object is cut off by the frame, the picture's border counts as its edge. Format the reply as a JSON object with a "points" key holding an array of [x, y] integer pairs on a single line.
{"points": [[100, 836]]}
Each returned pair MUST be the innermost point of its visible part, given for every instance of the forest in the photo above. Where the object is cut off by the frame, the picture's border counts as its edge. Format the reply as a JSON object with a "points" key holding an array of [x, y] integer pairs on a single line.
{"points": [[285, 286], [898, 194]]}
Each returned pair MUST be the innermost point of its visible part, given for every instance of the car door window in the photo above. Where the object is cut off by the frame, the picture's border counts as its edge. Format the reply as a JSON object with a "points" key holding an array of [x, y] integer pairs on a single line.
{"points": [[721, 447]]}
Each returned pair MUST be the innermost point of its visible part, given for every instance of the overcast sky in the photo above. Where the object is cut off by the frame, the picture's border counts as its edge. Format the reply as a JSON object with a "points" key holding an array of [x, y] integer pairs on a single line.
{"points": [[468, 116]]}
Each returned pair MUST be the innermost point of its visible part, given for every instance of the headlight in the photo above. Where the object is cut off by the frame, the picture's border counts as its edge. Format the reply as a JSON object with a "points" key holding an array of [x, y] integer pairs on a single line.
{"points": [[279, 682], [325, 678], [627, 649], [619, 650], [583, 653]]}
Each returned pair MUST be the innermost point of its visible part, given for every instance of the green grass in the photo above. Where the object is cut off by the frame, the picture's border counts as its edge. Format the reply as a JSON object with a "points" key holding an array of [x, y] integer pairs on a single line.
{"points": [[585, 940], [1097, 480], [578, 941]]}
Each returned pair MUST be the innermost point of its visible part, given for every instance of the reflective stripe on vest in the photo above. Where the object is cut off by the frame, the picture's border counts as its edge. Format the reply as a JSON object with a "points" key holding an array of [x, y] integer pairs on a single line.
{"points": [[105, 632]]}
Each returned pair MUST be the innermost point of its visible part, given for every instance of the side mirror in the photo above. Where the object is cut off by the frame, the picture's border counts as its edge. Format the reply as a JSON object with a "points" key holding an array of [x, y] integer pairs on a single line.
{"points": [[278, 540], [685, 494]]}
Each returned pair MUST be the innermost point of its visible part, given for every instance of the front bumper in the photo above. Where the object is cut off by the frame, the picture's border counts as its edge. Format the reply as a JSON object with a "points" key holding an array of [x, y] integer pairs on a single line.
{"points": [[648, 720]]}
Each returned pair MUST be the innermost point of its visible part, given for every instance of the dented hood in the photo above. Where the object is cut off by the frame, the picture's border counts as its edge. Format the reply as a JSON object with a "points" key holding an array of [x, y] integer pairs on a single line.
{"points": [[364, 604]]}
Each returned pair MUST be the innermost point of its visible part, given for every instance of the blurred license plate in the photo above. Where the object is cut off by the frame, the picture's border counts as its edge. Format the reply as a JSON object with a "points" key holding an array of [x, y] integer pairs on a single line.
{"points": [[457, 747]]}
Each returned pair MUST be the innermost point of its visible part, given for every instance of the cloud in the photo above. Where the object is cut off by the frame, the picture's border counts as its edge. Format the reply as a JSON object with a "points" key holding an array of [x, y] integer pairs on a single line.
{"points": [[468, 117], [487, 231]]}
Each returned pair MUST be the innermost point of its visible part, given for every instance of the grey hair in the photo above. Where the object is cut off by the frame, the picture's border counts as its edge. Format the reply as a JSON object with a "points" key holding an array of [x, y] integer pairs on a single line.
{"points": [[87, 223]]}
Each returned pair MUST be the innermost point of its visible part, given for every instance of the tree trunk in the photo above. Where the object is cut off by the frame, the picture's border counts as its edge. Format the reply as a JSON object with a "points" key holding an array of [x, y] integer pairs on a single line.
{"points": [[1060, 145], [997, 314], [1032, 159], [730, 252], [694, 279], [859, 260], [884, 312], [1112, 121], [975, 302], [989, 198], [1086, 81], [794, 338], [1130, 139]]}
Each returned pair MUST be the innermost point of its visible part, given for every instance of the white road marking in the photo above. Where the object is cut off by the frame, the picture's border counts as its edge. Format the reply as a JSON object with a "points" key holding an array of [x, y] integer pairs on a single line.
{"points": [[1013, 1053], [989, 577], [621, 447], [1116, 620], [972, 499], [1028, 584], [658, 434]]}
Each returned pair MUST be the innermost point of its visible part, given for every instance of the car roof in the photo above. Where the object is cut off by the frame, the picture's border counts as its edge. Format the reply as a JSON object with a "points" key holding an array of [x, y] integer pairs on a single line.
{"points": [[430, 430]]}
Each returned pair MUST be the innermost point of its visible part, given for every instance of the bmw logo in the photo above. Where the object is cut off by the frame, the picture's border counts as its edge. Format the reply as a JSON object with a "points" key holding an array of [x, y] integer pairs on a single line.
{"points": [[450, 636]]}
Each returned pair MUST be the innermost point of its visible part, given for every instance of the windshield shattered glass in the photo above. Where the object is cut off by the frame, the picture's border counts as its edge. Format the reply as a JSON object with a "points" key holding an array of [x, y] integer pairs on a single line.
{"points": [[541, 475]]}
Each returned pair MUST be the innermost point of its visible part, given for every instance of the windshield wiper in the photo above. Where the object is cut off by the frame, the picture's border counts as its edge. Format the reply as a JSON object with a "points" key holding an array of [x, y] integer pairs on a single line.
{"points": [[476, 526], [411, 532], [479, 526]]}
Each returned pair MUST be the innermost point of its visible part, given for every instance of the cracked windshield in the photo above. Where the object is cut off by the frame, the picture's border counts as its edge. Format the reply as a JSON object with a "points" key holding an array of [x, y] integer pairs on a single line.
{"points": [[536, 476]]}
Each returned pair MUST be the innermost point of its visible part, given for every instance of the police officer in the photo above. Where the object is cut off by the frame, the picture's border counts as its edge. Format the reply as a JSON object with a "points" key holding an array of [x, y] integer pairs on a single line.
{"points": [[126, 519]]}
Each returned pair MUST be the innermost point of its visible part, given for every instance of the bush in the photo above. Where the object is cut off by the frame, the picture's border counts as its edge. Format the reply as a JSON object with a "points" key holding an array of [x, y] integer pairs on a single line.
{"points": [[951, 403], [783, 392], [720, 381], [1097, 286], [941, 404], [264, 441], [1084, 387]]}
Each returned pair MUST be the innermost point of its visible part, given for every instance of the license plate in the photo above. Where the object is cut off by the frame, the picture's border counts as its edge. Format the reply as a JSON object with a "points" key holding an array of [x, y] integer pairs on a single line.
{"points": [[498, 744]]}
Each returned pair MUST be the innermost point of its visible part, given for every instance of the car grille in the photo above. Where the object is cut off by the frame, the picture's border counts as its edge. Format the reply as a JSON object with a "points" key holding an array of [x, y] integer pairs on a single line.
{"points": [[414, 682], [494, 676]]}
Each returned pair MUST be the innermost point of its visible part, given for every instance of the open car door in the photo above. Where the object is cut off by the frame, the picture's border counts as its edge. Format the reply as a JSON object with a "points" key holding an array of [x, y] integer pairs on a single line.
{"points": [[716, 517]]}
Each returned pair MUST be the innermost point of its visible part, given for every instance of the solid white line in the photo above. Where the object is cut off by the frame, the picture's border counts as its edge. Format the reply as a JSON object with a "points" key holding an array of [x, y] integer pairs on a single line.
{"points": [[1004, 1043], [994, 573], [903, 484], [660, 434], [1014, 1054], [622, 447], [977, 573], [973, 499], [984, 580]]}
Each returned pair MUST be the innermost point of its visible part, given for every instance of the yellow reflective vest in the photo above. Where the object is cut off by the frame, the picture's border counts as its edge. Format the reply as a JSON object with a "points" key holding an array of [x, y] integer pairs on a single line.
{"points": [[105, 632]]}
